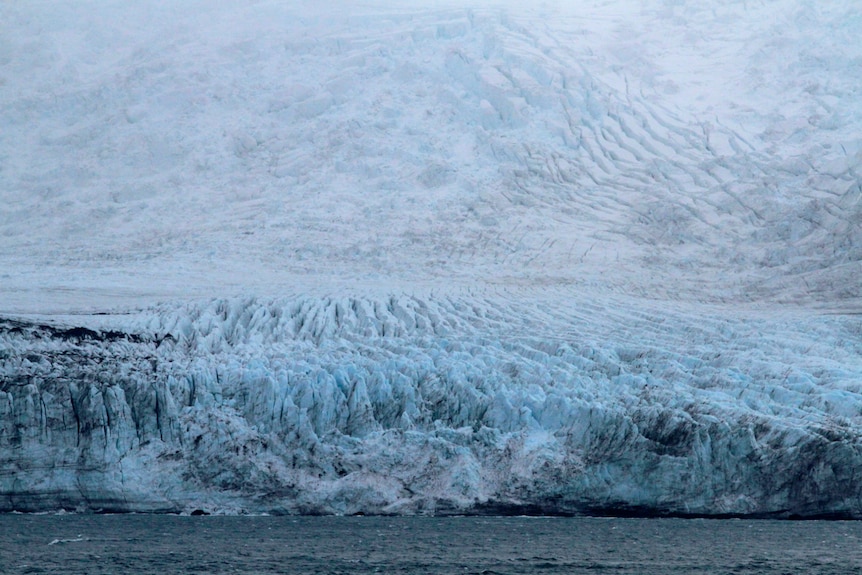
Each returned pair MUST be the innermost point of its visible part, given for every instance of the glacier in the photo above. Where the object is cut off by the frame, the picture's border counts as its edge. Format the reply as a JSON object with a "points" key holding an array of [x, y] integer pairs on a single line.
{"points": [[431, 258], [433, 405]]}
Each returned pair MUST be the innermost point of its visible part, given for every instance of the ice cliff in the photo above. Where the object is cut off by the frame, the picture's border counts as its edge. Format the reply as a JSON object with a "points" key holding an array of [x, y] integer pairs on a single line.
{"points": [[594, 256], [432, 405]]}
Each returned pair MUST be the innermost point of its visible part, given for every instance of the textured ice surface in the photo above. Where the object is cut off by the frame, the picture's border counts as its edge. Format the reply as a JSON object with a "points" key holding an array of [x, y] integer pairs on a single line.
{"points": [[604, 256], [650, 148], [434, 404]]}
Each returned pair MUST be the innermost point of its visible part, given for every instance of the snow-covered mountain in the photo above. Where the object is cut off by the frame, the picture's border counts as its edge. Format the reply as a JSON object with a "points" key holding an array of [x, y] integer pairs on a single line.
{"points": [[431, 258]]}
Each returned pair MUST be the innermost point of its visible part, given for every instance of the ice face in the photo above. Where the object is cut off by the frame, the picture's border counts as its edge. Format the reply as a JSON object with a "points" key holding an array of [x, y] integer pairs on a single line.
{"points": [[564, 258], [412, 405]]}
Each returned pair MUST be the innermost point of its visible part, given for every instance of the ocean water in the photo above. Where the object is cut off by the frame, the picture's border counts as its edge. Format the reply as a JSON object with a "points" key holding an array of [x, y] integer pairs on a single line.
{"points": [[159, 544]]}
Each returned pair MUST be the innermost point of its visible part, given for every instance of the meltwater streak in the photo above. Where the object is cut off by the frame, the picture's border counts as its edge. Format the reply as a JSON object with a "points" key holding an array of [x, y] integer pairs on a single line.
{"points": [[142, 544]]}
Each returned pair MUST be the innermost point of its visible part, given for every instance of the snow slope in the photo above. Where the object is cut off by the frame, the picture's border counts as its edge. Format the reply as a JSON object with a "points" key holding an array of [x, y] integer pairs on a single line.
{"points": [[435, 257]]}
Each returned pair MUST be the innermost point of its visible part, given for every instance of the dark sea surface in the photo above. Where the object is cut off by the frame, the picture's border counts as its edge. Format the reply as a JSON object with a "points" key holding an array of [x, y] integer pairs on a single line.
{"points": [[159, 544]]}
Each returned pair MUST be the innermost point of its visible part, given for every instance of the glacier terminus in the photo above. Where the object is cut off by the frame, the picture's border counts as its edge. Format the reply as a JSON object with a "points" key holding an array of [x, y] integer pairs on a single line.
{"points": [[431, 258]]}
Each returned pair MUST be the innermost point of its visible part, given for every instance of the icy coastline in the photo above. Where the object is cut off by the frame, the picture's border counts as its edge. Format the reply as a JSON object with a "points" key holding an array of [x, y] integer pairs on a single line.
{"points": [[558, 257], [450, 405]]}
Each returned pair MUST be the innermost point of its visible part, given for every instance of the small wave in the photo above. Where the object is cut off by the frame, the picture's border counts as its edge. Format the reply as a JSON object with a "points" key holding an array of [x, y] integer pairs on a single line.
{"points": [[75, 540]]}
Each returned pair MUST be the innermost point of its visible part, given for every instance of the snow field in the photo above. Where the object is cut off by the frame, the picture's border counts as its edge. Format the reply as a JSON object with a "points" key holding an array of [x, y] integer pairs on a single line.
{"points": [[680, 151]]}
